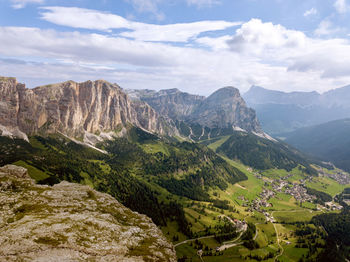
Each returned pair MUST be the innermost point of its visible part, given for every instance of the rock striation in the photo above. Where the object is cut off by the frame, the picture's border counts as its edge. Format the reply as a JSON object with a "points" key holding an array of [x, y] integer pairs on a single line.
{"points": [[74, 109], [71, 222], [225, 108], [169, 102]]}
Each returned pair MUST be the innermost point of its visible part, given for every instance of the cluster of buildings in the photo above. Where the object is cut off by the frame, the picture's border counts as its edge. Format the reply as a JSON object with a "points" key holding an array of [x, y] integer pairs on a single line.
{"points": [[341, 177], [280, 185], [333, 206], [299, 193]]}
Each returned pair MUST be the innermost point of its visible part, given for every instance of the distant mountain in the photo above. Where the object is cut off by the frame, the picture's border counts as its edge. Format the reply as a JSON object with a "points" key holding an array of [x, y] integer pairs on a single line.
{"points": [[260, 95], [281, 112], [328, 142], [199, 117]]}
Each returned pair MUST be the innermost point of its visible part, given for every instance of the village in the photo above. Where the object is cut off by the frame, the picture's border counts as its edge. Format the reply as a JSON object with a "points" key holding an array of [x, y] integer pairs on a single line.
{"points": [[296, 189], [340, 176]]}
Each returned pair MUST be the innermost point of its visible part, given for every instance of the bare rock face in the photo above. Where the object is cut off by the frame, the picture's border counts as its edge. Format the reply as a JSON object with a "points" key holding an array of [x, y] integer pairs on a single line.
{"points": [[14, 171], [170, 102], [73, 109], [71, 222], [225, 108]]}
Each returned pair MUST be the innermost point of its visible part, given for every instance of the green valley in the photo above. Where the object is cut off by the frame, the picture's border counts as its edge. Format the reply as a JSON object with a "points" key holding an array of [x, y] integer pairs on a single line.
{"points": [[211, 207]]}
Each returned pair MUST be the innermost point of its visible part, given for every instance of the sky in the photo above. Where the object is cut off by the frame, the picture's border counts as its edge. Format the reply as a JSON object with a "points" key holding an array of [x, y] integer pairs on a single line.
{"points": [[197, 46]]}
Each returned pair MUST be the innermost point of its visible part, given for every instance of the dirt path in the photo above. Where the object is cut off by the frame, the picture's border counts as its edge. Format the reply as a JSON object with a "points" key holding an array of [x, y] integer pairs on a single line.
{"points": [[278, 240], [238, 185], [231, 243]]}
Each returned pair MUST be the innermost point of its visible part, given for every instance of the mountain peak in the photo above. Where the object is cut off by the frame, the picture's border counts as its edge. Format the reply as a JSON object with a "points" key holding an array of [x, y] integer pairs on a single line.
{"points": [[224, 93], [225, 108], [170, 91]]}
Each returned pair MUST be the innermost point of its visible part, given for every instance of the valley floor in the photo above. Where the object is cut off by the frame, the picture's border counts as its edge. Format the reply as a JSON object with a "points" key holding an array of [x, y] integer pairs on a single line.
{"points": [[276, 212]]}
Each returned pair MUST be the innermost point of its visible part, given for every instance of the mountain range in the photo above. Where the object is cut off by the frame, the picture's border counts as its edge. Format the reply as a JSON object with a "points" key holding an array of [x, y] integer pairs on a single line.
{"points": [[281, 112], [94, 110], [198, 117]]}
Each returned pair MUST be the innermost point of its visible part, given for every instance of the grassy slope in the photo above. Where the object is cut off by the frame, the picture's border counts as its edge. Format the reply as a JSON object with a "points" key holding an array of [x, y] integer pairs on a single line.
{"points": [[34, 173]]}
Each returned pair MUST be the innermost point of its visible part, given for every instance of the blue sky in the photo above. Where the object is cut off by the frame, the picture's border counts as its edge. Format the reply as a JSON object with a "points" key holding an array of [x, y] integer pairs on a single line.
{"points": [[197, 46]]}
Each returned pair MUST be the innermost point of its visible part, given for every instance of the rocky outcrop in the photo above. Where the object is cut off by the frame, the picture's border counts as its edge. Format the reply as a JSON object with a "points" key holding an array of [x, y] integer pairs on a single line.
{"points": [[71, 222], [224, 109], [74, 109]]}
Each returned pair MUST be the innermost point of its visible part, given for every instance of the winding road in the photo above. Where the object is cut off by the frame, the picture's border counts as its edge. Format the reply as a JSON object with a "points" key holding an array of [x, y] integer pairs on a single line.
{"points": [[223, 247]]}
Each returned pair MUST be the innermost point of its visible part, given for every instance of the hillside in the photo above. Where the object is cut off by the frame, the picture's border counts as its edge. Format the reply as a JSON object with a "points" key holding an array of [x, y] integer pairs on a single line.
{"points": [[260, 153], [72, 222], [329, 142]]}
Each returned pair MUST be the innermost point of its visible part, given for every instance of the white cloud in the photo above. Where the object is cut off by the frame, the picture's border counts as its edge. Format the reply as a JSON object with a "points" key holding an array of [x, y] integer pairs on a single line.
{"points": [[274, 44], [24, 41], [218, 43], [311, 12], [84, 18], [257, 53], [203, 3], [17, 4], [92, 19], [258, 38], [176, 32], [341, 6]]}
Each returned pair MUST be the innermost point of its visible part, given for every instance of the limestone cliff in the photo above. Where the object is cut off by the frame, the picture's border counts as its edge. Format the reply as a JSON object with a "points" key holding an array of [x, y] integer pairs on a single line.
{"points": [[224, 109], [71, 222], [74, 109], [169, 102]]}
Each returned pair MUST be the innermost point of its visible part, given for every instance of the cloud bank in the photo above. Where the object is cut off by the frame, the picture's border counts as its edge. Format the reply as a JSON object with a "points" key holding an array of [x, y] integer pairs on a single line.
{"points": [[140, 55]]}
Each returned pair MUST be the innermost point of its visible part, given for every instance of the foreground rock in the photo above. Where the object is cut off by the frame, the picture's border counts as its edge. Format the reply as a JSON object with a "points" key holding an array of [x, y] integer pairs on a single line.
{"points": [[71, 222]]}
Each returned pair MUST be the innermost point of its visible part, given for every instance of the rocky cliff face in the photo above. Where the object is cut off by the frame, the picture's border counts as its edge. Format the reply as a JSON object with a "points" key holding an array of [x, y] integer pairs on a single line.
{"points": [[71, 222], [225, 108], [73, 109], [171, 102]]}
